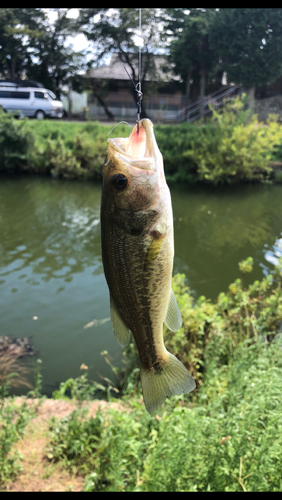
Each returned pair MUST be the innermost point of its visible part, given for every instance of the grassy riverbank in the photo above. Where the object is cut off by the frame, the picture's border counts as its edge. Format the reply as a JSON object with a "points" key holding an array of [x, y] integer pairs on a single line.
{"points": [[223, 437], [229, 148]]}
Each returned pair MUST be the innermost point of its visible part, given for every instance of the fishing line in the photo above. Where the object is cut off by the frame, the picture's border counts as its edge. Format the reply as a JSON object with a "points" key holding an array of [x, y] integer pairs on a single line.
{"points": [[117, 125], [137, 86]]}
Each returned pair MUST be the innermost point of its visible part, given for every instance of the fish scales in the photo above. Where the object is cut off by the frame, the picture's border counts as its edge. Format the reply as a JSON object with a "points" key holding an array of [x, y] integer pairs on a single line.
{"points": [[137, 253], [132, 285]]}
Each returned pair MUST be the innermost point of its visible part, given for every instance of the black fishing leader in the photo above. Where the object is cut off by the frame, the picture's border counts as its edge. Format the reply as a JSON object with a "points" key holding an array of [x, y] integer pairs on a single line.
{"points": [[137, 87]]}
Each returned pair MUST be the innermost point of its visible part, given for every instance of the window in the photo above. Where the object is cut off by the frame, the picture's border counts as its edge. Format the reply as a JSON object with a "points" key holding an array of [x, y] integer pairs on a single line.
{"points": [[52, 95], [5, 94], [20, 95], [39, 95]]}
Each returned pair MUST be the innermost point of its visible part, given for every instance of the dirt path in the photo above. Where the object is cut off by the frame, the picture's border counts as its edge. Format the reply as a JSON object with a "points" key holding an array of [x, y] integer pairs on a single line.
{"points": [[38, 473]]}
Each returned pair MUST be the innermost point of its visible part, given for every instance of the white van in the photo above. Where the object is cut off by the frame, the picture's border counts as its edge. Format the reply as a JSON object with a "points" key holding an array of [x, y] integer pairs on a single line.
{"points": [[35, 102]]}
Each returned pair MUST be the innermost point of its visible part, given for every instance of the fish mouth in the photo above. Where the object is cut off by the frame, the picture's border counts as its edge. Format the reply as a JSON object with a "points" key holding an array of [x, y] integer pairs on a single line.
{"points": [[140, 149]]}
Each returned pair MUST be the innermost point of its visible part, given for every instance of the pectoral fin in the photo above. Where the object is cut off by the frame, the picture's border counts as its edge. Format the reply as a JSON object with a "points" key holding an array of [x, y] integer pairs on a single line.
{"points": [[173, 318], [120, 330]]}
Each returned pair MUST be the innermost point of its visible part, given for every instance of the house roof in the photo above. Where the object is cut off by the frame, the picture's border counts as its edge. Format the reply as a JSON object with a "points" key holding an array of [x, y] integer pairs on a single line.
{"points": [[115, 70]]}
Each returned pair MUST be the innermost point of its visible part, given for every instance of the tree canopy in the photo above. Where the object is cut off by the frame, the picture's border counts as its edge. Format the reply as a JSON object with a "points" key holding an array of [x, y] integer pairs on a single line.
{"points": [[54, 63], [249, 41], [190, 50], [17, 26], [117, 31], [32, 45], [201, 43]]}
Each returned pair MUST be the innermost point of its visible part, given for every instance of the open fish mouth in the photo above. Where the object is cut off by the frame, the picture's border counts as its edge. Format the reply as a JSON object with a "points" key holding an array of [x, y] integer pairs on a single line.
{"points": [[140, 149]]}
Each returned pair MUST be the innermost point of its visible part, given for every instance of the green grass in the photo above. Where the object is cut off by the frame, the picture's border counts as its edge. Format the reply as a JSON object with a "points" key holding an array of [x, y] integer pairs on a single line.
{"points": [[13, 420], [230, 442]]}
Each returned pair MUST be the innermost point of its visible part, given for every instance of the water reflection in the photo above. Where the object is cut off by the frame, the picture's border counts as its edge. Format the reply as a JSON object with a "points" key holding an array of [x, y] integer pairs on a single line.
{"points": [[55, 233], [216, 228], [272, 255]]}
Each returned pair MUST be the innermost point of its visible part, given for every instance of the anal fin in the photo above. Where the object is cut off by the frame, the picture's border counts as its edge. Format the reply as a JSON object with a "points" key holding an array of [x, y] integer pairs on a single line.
{"points": [[121, 331], [173, 318]]}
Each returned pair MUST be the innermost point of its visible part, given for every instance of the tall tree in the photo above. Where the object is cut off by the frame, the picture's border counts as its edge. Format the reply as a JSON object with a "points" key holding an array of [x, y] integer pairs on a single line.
{"points": [[249, 43], [17, 26], [52, 61], [173, 19], [191, 51], [30, 44], [115, 31]]}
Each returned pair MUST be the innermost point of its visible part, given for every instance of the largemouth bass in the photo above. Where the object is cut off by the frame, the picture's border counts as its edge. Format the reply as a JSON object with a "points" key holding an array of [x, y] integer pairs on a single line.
{"points": [[137, 253]]}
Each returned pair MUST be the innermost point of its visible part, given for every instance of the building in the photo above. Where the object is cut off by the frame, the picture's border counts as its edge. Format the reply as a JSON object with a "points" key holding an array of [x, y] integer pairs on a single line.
{"points": [[112, 90], [79, 104]]}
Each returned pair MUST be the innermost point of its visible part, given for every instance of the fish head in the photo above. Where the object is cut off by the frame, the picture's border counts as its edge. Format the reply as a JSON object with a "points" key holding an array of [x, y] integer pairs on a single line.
{"points": [[133, 173]]}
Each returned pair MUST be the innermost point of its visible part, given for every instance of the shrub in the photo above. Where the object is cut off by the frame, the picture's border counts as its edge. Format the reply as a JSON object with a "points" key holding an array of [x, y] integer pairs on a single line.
{"points": [[110, 446], [226, 149], [212, 331], [234, 149], [173, 141], [70, 150], [227, 442], [16, 139], [225, 436]]}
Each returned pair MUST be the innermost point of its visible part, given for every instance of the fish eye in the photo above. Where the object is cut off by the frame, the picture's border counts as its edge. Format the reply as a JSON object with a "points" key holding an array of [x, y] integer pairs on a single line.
{"points": [[119, 181]]}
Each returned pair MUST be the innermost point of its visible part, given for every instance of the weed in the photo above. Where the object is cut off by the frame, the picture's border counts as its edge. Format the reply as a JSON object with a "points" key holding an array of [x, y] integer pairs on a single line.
{"points": [[225, 437], [16, 140], [222, 437], [13, 420], [36, 392], [12, 371]]}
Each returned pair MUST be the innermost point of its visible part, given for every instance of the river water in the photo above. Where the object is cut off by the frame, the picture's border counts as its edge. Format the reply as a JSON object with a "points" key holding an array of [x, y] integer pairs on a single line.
{"points": [[51, 268]]}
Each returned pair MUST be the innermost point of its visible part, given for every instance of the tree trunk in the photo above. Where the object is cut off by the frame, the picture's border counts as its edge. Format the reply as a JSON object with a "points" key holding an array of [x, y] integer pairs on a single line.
{"points": [[104, 105], [187, 93], [251, 95], [12, 72], [202, 91], [98, 92], [70, 100]]}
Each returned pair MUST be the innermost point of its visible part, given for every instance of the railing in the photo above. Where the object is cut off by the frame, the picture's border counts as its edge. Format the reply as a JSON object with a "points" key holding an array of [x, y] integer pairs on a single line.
{"points": [[192, 111]]}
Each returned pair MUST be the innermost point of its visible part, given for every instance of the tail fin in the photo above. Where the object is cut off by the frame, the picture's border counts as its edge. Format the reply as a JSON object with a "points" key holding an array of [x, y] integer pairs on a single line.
{"points": [[172, 379]]}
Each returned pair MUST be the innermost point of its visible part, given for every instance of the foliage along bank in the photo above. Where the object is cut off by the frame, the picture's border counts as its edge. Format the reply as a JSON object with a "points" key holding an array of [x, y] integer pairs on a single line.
{"points": [[229, 148], [222, 437]]}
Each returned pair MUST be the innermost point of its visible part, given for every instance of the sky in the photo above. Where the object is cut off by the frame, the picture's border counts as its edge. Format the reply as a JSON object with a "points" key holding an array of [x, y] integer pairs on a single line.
{"points": [[79, 42]]}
